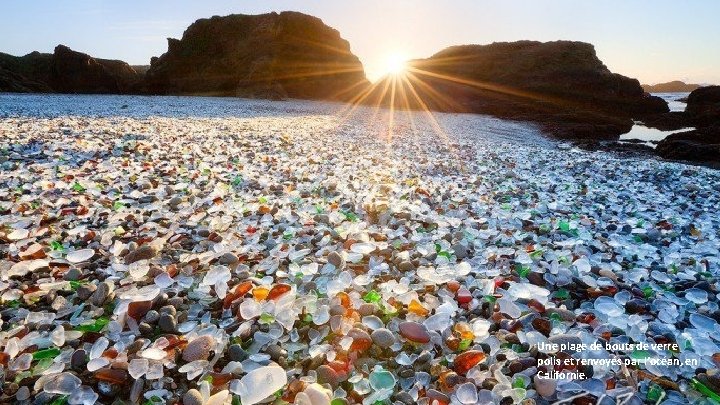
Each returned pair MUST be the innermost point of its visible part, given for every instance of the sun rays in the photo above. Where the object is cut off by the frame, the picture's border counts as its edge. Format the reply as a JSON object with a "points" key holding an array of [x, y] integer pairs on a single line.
{"points": [[414, 92], [401, 90], [395, 64]]}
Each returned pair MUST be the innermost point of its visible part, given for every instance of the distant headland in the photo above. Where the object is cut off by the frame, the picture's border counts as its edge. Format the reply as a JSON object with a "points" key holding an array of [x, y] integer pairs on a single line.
{"points": [[675, 86]]}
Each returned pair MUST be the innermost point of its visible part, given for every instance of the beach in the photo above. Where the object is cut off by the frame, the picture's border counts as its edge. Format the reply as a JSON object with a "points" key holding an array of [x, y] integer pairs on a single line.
{"points": [[177, 248]]}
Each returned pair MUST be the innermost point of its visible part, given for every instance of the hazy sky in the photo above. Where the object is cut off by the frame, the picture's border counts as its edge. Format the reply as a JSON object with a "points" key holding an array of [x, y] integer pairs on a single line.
{"points": [[653, 40]]}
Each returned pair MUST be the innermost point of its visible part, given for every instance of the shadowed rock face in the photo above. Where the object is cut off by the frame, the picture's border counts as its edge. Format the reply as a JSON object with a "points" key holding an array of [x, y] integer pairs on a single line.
{"points": [[702, 144], [25, 74], [65, 71], [76, 72], [268, 56], [562, 85], [15, 83], [703, 106]]}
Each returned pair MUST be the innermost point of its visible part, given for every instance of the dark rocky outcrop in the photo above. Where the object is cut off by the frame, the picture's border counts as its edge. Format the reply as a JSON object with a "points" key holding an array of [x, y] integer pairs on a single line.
{"points": [[25, 74], [562, 85], [703, 109], [76, 72], [675, 86], [670, 121], [700, 145], [65, 71], [267, 56], [703, 106], [12, 82]]}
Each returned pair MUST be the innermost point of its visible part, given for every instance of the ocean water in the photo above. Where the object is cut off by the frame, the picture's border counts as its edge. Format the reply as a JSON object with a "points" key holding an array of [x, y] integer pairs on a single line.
{"points": [[51, 106], [652, 136], [673, 100], [132, 106]]}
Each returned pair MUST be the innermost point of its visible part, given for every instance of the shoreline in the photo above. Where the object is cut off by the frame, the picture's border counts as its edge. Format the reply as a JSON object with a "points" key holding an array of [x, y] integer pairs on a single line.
{"points": [[620, 148]]}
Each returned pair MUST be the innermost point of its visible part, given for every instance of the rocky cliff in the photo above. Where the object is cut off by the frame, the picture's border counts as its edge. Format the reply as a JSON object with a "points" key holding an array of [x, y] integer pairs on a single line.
{"points": [[76, 72], [268, 56], [65, 71], [25, 74], [562, 85]]}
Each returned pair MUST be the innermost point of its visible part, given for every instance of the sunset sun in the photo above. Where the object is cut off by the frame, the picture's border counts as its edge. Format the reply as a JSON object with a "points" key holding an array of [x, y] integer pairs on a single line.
{"points": [[395, 64]]}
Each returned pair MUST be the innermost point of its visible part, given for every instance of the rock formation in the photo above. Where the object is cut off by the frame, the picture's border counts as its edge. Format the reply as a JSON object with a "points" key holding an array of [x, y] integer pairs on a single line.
{"points": [[76, 72], [703, 143], [700, 145], [25, 74], [266, 56], [562, 85], [703, 106], [65, 71]]}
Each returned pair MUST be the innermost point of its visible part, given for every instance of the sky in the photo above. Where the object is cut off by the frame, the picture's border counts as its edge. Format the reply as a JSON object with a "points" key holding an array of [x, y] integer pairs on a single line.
{"points": [[654, 40]]}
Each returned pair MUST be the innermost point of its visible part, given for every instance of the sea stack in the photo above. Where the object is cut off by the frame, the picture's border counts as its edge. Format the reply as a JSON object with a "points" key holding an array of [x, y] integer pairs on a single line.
{"points": [[76, 72], [65, 71], [273, 55], [563, 85]]}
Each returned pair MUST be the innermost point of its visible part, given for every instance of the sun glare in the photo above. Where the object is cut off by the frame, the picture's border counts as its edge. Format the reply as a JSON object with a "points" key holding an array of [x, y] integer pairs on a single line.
{"points": [[395, 64]]}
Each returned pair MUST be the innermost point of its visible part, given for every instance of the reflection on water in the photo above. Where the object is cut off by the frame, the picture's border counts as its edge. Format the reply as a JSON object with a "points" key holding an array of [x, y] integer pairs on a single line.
{"points": [[652, 136]]}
